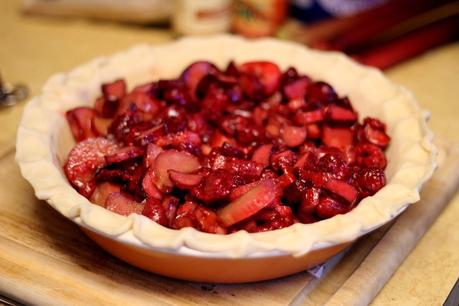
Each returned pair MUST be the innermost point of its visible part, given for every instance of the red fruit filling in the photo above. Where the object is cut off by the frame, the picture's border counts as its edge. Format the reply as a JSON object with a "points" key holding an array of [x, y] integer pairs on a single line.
{"points": [[246, 148]]}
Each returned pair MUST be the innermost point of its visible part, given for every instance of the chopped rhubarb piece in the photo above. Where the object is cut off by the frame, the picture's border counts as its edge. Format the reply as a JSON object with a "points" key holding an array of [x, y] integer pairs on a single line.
{"points": [[262, 155], [84, 160], [173, 160], [114, 91], [343, 189], [293, 136], [149, 187], [154, 210], [305, 118], [100, 125], [170, 205], [337, 137], [151, 154], [268, 73], [80, 120], [241, 190], [329, 207], [376, 137], [341, 114], [249, 204], [123, 204], [124, 154], [102, 191], [184, 180]]}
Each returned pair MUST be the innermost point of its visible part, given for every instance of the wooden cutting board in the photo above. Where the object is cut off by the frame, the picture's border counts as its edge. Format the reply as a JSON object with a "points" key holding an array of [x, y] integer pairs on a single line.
{"points": [[45, 259]]}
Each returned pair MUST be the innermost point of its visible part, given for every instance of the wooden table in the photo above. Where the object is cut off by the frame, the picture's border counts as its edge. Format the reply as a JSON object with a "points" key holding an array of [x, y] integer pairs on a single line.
{"points": [[32, 48]]}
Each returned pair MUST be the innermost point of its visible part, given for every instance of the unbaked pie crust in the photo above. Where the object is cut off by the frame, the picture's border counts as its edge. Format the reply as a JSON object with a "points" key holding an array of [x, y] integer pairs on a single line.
{"points": [[44, 140]]}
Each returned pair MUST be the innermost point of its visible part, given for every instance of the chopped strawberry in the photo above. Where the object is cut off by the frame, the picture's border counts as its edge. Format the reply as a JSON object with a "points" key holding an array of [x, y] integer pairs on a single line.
{"points": [[154, 210], [320, 93], [248, 204], [329, 207], [216, 186], [84, 160], [143, 102], [309, 201], [193, 74], [123, 204], [283, 160], [80, 120], [370, 156], [371, 179], [268, 73], [191, 214]]}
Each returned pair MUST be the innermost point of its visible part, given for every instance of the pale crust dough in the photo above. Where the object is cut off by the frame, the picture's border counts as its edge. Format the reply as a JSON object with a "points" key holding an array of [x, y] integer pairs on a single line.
{"points": [[44, 141]]}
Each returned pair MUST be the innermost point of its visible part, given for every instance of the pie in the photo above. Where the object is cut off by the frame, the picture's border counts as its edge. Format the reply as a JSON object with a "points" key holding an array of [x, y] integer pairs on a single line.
{"points": [[338, 207]]}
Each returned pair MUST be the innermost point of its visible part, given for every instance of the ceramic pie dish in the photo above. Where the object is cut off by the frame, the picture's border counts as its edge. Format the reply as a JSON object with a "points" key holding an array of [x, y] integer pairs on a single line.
{"points": [[44, 141]]}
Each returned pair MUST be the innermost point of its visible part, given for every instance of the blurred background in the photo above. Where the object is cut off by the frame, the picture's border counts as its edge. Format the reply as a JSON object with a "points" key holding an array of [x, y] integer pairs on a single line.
{"points": [[380, 33]]}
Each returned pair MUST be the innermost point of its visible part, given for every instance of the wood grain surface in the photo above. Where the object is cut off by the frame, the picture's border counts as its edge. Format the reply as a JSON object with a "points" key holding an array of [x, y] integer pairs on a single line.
{"points": [[46, 260], [34, 48]]}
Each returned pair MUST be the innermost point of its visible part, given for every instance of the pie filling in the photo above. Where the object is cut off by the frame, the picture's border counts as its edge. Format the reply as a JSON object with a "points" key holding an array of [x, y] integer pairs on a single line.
{"points": [[246, 148]]}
